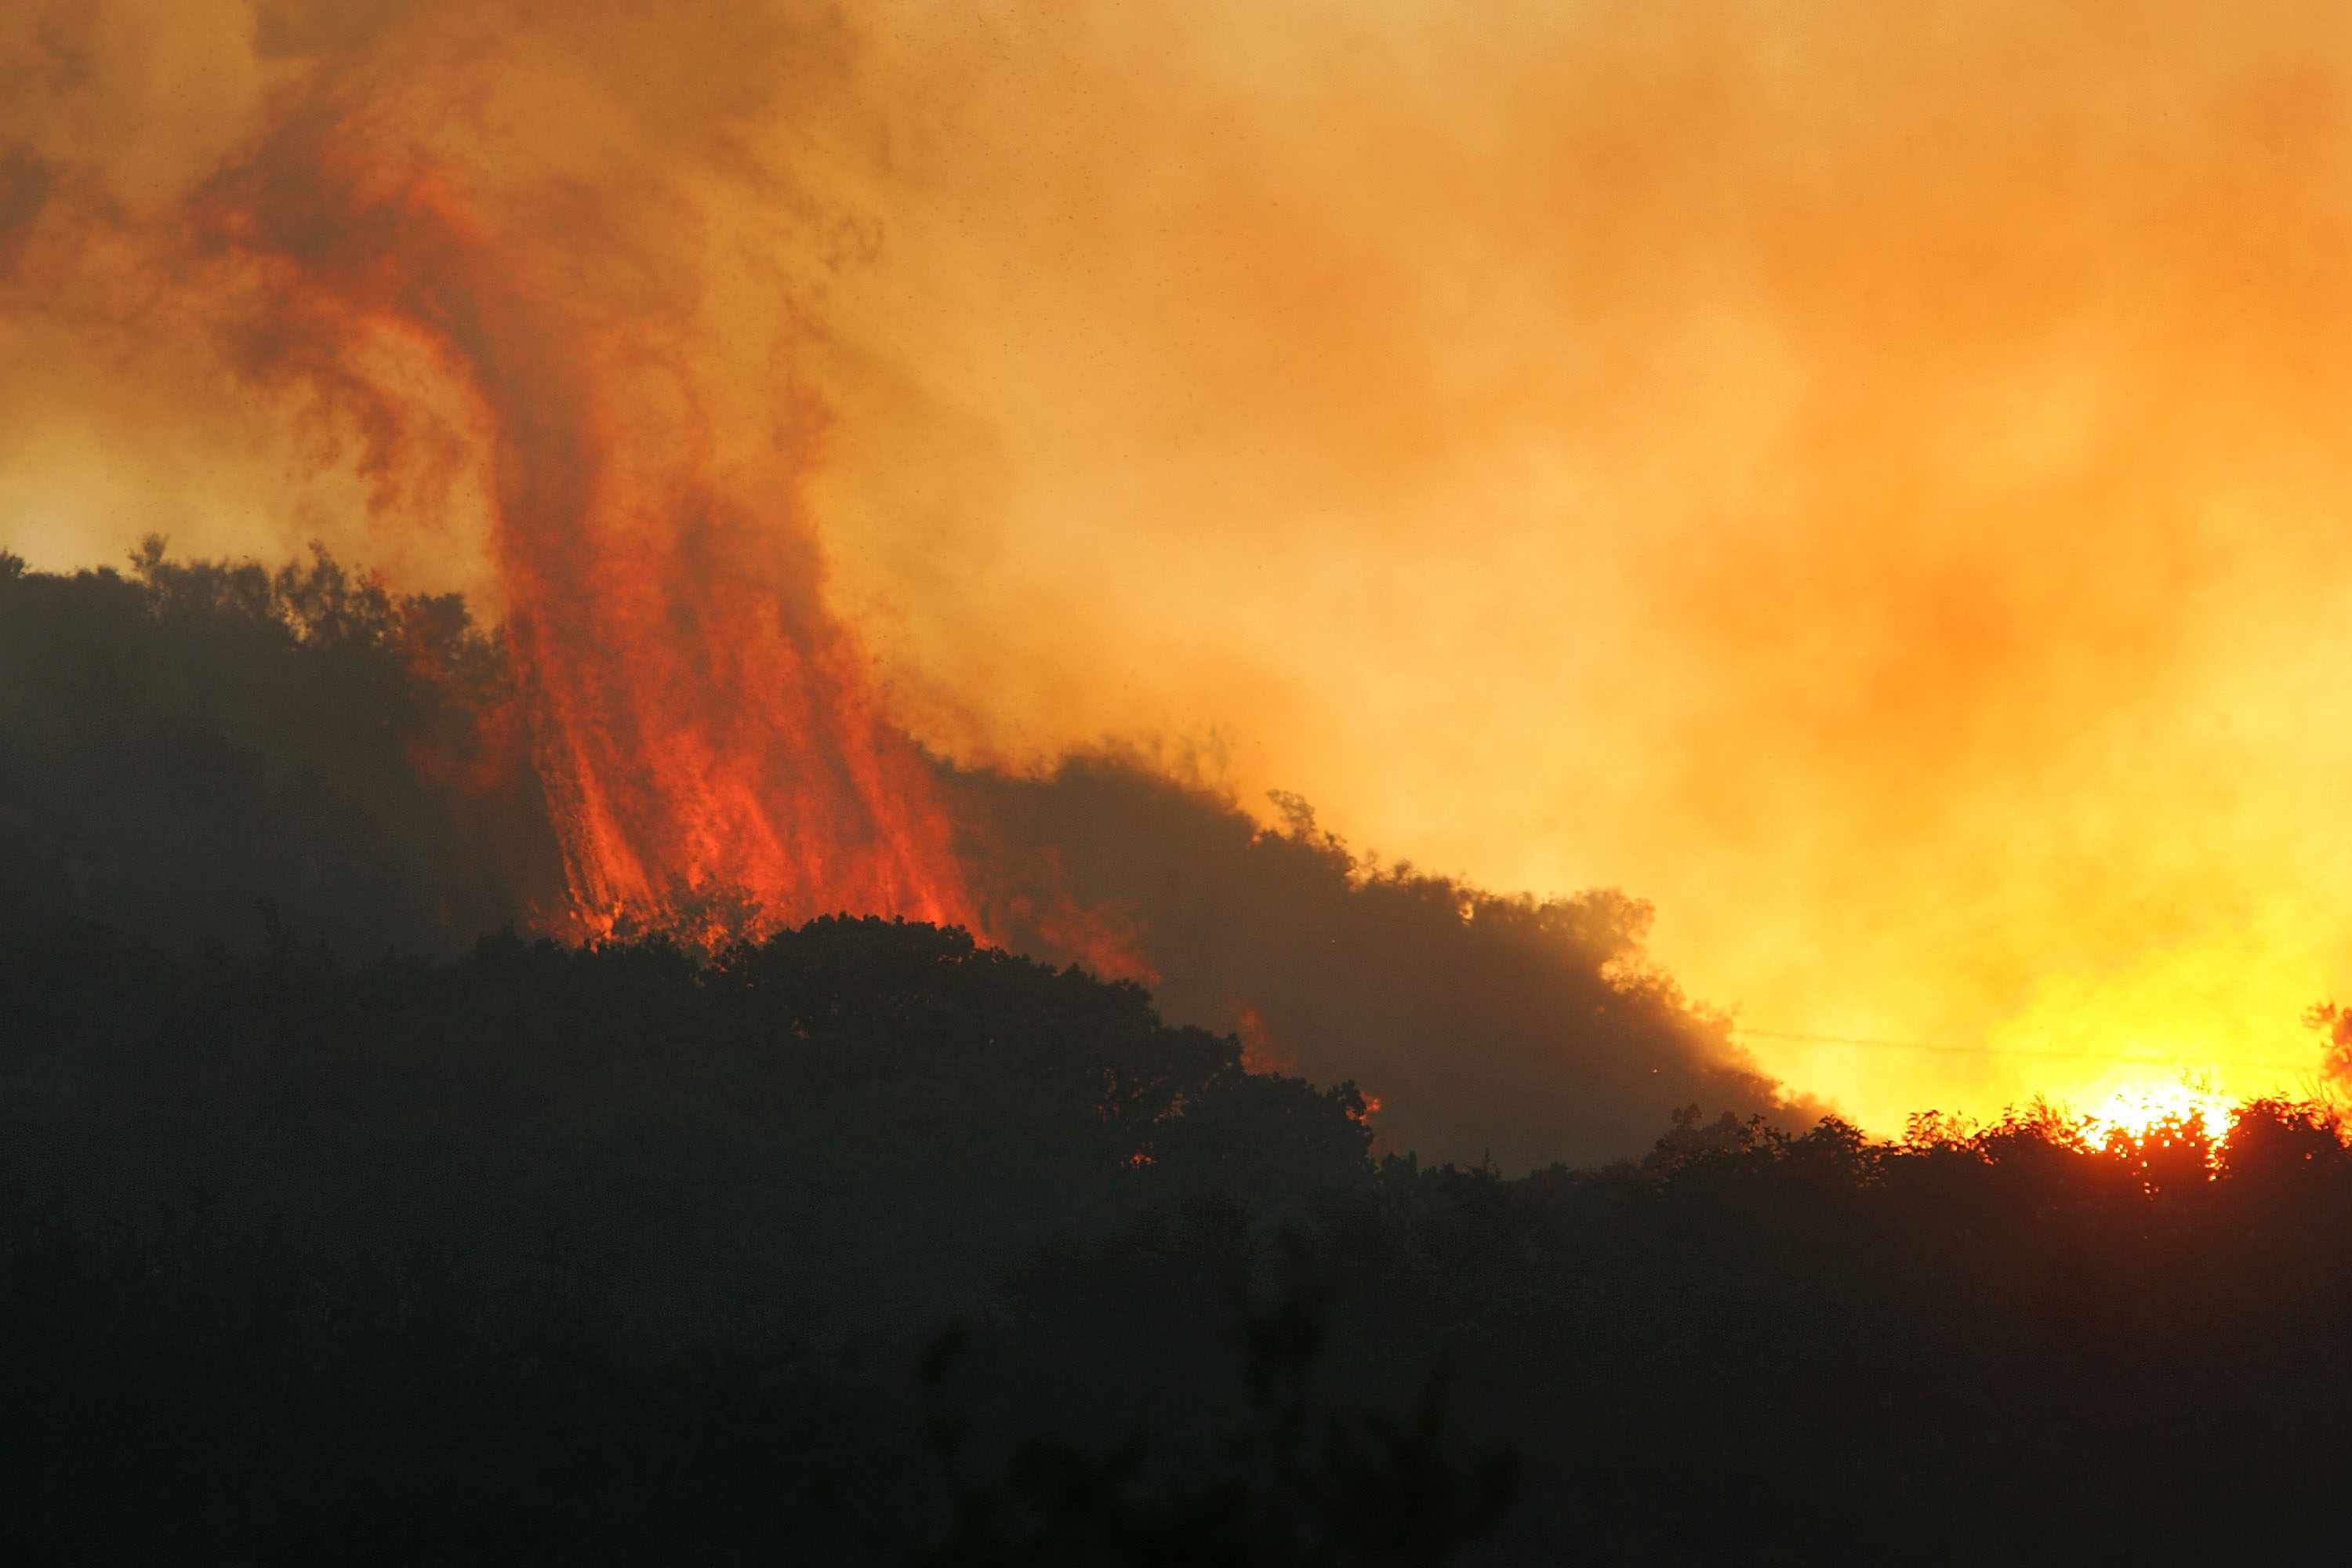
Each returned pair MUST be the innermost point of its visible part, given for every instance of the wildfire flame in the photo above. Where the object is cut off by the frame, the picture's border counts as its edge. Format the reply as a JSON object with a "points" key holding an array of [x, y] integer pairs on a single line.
{"points": [[2139, 1108], [1261, 1052], [703, 721]]}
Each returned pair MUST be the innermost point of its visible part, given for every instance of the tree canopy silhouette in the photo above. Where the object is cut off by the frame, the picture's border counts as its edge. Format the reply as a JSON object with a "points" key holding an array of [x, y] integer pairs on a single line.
{"points": [[331, 1229]]}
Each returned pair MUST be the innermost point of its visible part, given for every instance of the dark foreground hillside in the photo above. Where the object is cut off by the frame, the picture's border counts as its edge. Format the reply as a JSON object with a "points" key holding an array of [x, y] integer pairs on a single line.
{"points": [[868, 1245], [538, 1248]]}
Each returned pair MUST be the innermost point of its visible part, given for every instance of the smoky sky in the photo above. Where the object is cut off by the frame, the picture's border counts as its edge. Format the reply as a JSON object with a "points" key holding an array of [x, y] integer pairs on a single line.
{"points": [[1864, 479]]}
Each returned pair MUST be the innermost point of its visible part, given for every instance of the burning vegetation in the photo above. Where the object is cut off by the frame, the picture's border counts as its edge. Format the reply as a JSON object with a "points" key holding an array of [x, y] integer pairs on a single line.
{"points": [[657, 1027], [697, 717], [194, 737]]}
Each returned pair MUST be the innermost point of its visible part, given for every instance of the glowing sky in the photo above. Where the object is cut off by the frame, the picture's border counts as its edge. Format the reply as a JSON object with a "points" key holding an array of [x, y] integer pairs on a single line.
{"points": [[1869, 478]]}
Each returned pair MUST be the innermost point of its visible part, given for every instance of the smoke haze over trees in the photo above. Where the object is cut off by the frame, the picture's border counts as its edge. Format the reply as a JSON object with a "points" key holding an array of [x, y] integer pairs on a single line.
{"points": [[1527, 1031]]}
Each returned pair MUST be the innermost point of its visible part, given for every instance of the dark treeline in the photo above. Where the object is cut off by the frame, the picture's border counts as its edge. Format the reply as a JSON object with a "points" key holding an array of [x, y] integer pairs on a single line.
{"points": [[1515, 1030], [185, 742], [620, 1255], [336, 1231]]}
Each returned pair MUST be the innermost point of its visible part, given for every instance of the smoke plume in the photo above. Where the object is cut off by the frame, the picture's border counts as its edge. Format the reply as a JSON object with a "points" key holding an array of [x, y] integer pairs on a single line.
{"points": [[1863, 477]]}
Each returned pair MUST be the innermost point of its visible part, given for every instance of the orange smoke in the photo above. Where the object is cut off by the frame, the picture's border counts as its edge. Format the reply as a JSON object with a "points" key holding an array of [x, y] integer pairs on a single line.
{"points": [[1868, 479]]}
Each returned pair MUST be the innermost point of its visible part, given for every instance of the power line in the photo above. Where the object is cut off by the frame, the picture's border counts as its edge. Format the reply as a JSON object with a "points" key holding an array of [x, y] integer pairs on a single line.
{"points": [[1943, 1049]]}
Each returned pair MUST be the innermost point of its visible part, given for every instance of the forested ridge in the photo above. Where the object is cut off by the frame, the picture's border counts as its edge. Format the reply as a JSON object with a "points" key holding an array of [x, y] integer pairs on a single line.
{"points": [[347, 1221]]}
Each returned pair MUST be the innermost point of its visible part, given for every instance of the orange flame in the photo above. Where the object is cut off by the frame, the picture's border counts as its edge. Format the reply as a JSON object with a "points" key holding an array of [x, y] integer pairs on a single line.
{"points": [[2136, 1110], [1261, 1052], [703, 721]]}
